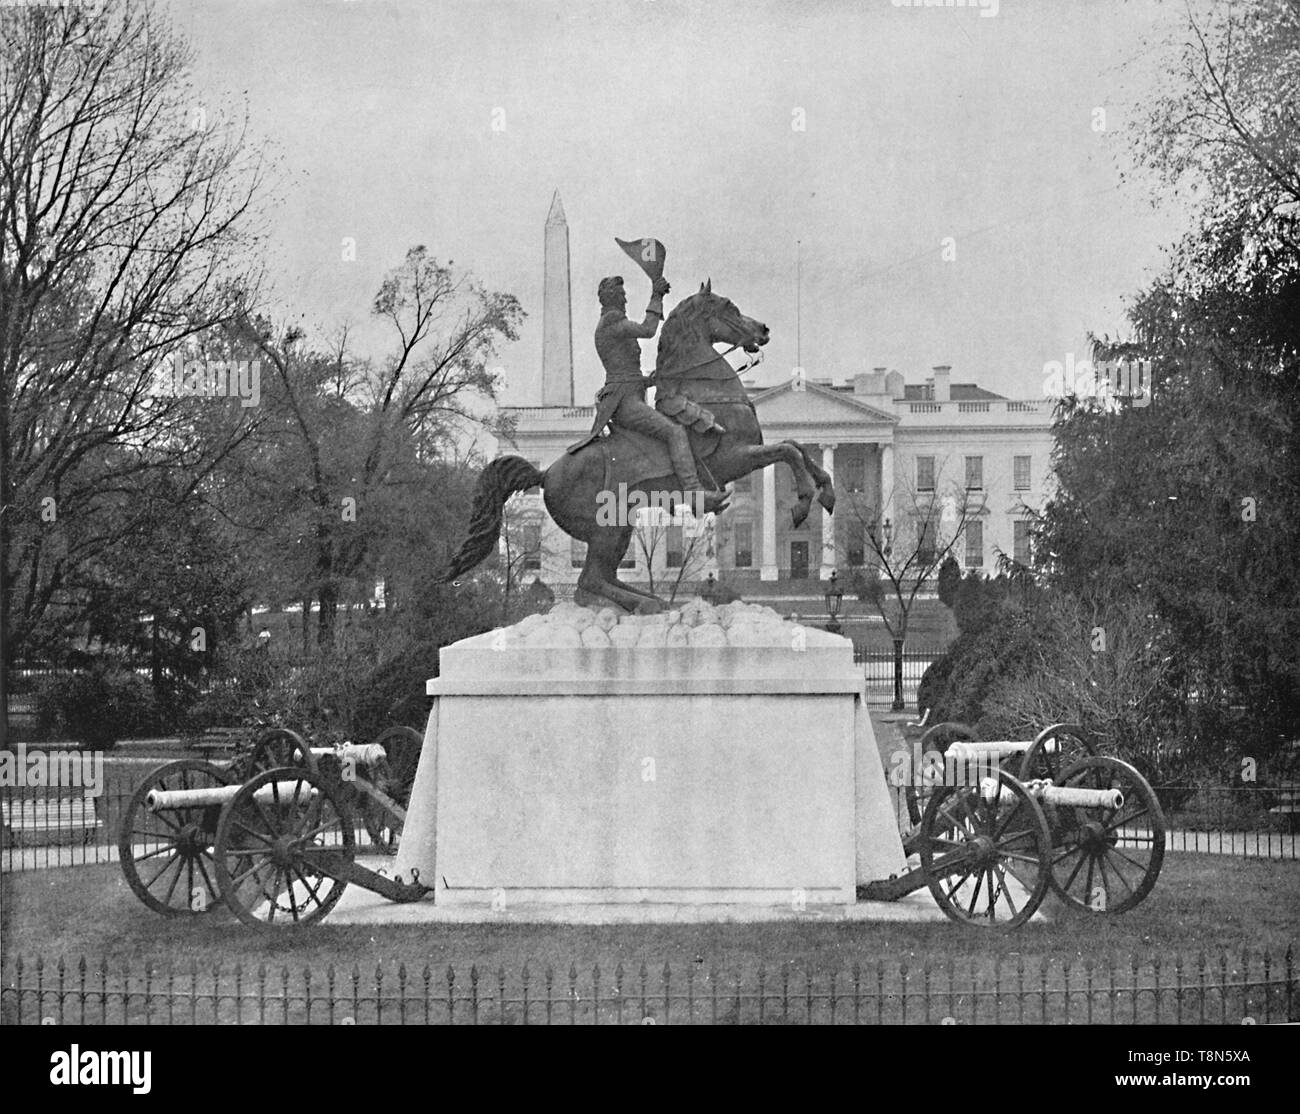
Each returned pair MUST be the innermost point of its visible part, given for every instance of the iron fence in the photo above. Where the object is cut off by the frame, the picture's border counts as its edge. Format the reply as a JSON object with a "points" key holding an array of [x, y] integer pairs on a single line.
{"points": [[44, 828], [878, 671], [1244, 822], [1196, 990]]}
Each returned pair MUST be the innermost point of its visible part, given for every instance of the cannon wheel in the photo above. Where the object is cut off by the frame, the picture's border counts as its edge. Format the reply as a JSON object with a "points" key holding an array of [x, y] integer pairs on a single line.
{"points": [[167, 857], [1054, 749], [1005, 874], [395, 778], [262, 867], [937, 738], [1106, 860], [278, 747]]}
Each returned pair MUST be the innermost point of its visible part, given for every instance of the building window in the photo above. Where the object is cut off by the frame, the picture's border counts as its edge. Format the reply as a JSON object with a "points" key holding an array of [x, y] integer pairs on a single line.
{"points": [[1020, 545], [925, 473], [925, 541], [530, 544], [577, 553], [675, 554], [854, 472], [974, 473], [1021, 473], [629, 558], [974, 545], [857, 549], [744, 545]]}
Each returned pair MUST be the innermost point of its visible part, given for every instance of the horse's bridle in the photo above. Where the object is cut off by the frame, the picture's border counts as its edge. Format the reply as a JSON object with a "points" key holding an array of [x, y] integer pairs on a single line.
{"points": [[653, 376]]}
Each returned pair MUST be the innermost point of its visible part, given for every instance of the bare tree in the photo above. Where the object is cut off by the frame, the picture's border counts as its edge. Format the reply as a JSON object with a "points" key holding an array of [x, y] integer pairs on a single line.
{"points": [[656, 529], [904, 555], [520, 550], [125, 227]]}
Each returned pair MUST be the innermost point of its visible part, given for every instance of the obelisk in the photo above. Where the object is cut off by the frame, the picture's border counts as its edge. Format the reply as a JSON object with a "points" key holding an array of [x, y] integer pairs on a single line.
{"points": [[557, 313]]}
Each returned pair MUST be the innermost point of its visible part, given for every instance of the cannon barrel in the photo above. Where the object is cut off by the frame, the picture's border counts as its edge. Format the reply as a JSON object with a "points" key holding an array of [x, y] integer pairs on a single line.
{"points": [[1064, 796], [997, 748], [363, 754], [166, 800]]}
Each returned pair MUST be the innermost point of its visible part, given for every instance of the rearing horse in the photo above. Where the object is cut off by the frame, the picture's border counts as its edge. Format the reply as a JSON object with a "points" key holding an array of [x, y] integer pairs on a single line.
{"points": [[578, 486]]}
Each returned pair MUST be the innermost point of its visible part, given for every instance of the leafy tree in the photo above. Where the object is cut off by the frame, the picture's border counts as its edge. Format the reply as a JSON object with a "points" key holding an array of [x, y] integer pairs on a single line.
{"points": [[361, 442], [1181, 512], [125, 229]]}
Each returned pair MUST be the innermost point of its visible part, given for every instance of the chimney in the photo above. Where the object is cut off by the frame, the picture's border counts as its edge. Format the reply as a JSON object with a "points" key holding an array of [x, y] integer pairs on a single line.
{"points": [[869, 382], [942, 389], [894, 385]]}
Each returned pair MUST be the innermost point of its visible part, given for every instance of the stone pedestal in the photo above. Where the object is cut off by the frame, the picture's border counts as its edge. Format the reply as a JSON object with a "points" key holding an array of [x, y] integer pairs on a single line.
{"points": [[711, 756]]}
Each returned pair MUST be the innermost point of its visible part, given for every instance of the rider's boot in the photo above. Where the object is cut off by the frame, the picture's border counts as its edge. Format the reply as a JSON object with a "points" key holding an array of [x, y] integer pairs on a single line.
{"points": [[704, 500]]}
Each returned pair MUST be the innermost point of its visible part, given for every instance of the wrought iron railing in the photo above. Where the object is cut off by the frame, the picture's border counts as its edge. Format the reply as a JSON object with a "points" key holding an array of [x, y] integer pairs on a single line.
{"points": [[1250, 987]]}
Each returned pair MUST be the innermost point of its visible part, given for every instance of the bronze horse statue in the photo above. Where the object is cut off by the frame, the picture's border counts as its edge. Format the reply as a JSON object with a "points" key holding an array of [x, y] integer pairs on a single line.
{"points": [[578, 486]]}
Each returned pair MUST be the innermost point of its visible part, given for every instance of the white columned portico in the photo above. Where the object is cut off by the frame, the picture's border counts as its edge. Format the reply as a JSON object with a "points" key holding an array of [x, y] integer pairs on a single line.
{"points": [[768, 569], [828, 523]]}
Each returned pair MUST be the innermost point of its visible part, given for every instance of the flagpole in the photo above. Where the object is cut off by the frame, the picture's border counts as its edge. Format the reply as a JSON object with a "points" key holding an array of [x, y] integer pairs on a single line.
{"points": [[798, 303]]}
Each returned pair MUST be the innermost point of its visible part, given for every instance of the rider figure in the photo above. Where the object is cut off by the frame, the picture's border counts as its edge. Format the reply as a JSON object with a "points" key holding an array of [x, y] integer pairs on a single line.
{"points": [[621, 401]]}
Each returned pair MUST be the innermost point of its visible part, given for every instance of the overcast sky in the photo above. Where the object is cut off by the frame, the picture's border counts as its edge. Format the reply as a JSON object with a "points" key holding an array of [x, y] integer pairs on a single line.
{"points": [[676, 119]]}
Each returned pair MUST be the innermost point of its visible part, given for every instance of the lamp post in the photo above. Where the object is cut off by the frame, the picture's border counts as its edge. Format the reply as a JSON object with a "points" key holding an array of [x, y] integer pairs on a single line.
{"points": [[834, 598]]}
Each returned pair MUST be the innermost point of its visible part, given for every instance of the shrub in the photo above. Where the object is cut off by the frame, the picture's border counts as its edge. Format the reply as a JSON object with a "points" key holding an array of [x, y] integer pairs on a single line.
{"points": [[96, 707], [949, 580]]}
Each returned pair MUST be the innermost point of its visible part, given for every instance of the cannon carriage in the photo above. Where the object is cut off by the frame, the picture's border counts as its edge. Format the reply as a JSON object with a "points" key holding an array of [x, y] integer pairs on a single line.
{"points": [[991, 844], [273, 834]]}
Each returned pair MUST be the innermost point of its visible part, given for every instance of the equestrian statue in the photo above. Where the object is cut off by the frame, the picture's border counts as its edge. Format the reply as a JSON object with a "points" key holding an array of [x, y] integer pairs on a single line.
{"points": [[702, 422]]}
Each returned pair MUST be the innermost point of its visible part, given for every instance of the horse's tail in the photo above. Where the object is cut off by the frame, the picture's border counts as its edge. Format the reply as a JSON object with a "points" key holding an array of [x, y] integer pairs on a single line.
{"points": [[500, 479]]}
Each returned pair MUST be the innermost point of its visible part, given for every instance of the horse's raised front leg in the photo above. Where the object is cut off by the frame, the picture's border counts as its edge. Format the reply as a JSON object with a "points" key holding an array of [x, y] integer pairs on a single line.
{"points": [[822, 478], [785, 452]]}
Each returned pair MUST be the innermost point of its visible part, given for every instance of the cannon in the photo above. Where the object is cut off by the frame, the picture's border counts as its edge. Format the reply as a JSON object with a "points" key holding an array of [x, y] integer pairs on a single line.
{"points": [[273, 834], [991, 844]]}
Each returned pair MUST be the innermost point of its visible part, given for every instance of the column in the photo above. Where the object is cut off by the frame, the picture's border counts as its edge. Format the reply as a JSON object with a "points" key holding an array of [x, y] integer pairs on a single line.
{"points": [[768, 569], [887, 483], [828, 521]]}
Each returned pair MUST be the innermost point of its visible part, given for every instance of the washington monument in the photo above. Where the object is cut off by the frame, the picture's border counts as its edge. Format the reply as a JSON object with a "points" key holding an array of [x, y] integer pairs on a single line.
{"points": [[557, 313]]}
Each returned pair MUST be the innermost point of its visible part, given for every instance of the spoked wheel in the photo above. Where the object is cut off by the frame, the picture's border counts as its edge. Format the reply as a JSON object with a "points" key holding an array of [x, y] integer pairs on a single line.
{"points": [[985, 852], [1054, 749], [279, 747], [393, 777], [276, 842], [937, 738], [167, 856], [1106, 860]]}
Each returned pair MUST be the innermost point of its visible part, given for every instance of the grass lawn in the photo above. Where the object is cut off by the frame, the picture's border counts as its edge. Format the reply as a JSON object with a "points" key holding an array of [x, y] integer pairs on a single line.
{"points": [[1201, 902]]}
